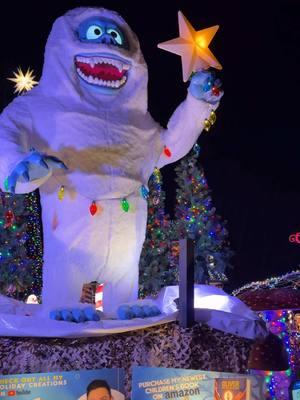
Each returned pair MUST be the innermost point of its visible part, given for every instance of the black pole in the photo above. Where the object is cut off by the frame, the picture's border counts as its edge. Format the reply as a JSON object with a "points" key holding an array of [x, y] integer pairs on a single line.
{"points": [[186, 282]]}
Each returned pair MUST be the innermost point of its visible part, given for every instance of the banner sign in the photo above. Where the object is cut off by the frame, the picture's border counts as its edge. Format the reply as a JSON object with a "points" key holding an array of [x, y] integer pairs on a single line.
{"points": [[183, 384], [63, 385]]}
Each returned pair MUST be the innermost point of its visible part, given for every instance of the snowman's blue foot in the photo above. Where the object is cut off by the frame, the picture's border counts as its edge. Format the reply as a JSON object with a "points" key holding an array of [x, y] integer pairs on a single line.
{"points": [[55, 314], [91, 314], [125, 312], [78, 315], [137, 311], [151, 311]]}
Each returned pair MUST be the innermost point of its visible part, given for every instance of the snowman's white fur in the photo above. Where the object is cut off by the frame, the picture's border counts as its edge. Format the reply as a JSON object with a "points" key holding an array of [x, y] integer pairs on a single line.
{"points": [[110, 145]]}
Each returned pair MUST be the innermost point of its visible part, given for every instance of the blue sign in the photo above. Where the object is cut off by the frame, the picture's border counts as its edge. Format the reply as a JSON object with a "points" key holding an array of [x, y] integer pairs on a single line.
{"points": [[63, 385], [182, 384]]}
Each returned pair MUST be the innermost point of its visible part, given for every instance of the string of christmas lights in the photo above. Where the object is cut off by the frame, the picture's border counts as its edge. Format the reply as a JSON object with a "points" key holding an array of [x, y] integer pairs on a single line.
{"points": [[282, 323], [158, 266], [34, 243], [21, 245], [289, 280]]}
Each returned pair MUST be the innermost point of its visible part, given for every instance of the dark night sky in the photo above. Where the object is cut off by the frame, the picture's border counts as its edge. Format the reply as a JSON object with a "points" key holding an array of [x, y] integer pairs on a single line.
{"points": [[251, 157]]}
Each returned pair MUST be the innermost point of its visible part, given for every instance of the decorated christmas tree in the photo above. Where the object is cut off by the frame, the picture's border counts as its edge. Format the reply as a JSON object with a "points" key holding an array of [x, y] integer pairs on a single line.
{"points": [[158, 262], [20, 229], [196, 218], [20, 246]]}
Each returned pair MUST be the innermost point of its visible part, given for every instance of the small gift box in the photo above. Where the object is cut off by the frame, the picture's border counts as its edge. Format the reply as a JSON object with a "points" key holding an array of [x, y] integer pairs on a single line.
{"points": [[92, 293]]}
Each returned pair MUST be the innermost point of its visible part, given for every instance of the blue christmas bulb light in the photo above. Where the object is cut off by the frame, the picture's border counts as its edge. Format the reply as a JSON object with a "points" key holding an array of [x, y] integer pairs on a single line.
{"points": [[207, 86], [144, 192], [197, 149]]}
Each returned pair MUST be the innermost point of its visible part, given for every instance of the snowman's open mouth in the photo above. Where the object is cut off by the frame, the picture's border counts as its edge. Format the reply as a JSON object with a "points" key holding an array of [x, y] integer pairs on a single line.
{"points": [[102, 71]]}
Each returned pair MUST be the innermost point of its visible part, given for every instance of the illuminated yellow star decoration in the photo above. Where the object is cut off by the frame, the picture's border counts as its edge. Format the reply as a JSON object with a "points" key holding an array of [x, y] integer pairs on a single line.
{"points": [[192, 46], [23, 83]]}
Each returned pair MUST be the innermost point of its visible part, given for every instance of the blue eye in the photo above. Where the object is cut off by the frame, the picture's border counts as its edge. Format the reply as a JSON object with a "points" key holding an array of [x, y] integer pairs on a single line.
{"points": [[94, 32], [116, 35]]}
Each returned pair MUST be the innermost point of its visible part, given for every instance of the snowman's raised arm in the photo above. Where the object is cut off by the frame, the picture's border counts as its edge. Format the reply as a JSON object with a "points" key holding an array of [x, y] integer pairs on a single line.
{"points": [[188, 120], [184, 128]]}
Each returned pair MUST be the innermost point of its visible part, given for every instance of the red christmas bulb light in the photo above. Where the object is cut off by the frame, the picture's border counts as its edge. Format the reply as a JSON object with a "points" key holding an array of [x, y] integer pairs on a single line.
{"points": [[9, 219], [93, 208], [215, 90], [167, 152]]}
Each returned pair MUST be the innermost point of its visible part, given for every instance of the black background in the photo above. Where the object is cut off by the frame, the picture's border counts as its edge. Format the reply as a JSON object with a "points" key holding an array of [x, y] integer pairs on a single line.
{"points": [[251, 158]]}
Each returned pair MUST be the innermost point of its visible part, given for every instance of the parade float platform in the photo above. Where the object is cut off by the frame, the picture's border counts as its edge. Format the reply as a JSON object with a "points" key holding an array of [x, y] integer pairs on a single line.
{"points": [[167, 345]]}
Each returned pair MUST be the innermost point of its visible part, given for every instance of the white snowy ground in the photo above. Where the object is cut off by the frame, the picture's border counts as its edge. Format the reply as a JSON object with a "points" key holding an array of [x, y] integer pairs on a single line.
{"points": [[212, 306]]}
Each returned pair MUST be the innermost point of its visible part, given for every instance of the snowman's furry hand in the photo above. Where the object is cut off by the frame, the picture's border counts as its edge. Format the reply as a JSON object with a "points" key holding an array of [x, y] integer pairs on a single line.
{"points": [[205, 87], [23, 168]]}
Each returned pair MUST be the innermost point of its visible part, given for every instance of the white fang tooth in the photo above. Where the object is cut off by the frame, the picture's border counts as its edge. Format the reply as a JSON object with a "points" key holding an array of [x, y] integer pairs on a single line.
{"points": [[126, 67], [119, 65]]}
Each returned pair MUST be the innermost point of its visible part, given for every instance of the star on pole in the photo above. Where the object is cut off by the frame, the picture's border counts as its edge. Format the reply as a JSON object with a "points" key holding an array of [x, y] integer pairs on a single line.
{"points": [[23, 82], [192, 46]]}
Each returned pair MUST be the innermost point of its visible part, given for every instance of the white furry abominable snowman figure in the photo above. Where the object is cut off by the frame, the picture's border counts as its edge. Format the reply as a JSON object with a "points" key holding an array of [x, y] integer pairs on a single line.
{"points": [[89, 113]]}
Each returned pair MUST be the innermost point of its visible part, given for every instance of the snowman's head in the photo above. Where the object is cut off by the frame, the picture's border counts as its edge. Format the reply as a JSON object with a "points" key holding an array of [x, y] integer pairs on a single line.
{"points": [[92, 52]]}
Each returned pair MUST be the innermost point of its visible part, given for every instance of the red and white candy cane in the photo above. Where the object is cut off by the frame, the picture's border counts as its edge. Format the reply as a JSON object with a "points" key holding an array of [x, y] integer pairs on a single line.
{"points": [[99, 297]]}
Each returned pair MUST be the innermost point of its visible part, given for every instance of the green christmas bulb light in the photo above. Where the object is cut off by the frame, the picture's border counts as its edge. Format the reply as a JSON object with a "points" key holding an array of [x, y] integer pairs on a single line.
{"points": [[288, 372], [125, 205], [6, 183]]}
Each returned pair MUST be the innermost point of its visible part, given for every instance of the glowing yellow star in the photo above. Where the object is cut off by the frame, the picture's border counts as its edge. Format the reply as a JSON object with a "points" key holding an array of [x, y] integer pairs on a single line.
{"points": [[23, 83], [192, 46]]}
